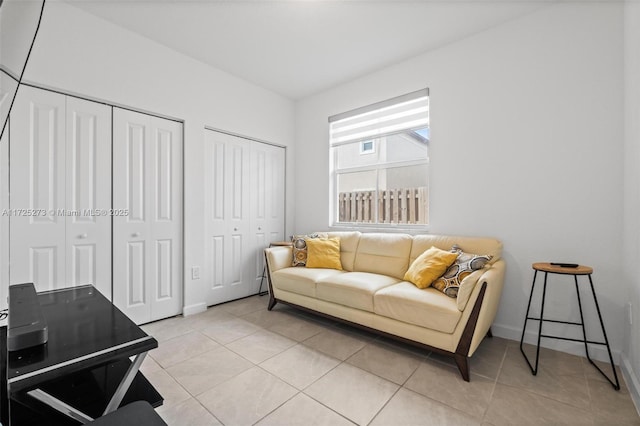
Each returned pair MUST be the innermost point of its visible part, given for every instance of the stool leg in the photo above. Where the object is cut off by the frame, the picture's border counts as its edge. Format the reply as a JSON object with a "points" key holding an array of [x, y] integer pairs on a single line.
{"points": [[264, 272], [526, 317], [534, 370], [584, 332], [544, 293], [615, 385]]}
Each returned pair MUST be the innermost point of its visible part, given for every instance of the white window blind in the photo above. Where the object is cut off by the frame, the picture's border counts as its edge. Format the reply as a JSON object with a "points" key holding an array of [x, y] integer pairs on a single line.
{"points": [[406, 112]]}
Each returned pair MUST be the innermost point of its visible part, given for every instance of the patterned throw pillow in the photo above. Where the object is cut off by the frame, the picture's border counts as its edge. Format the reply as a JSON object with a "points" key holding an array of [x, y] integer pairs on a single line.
{"points": [[300, 247], [465, 264]]}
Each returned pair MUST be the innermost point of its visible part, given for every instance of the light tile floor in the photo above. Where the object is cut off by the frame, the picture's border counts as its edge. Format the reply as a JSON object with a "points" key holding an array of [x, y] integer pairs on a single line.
{"points": [[239, 364]]}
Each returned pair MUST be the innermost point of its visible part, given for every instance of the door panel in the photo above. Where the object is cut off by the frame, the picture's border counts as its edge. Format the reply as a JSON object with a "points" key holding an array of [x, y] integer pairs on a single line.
{"points": [[83, 264], [215, 158], [227, 210], [130, 265], [37, 189], [164, 175], [148, 150], [164, 260], [88, 194], [267, 202], [134, 168], [43, 266], [165, 204], [135, 276]]}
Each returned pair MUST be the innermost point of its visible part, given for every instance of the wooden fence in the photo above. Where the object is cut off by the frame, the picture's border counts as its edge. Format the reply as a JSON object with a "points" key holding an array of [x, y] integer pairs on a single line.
{"points": [[407, 205]]}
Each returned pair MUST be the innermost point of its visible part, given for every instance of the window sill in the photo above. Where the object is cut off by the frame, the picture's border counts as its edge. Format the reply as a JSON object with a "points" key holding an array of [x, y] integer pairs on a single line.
{"points": [[378, 227]]}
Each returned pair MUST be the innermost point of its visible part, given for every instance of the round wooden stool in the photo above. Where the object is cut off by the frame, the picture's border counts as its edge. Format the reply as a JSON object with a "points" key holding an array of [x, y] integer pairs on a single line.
{"points": [[575, 270]]}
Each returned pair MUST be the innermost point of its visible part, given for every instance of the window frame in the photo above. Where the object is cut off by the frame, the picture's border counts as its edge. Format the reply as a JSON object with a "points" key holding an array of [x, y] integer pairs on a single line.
{"points": [[335, 172]]}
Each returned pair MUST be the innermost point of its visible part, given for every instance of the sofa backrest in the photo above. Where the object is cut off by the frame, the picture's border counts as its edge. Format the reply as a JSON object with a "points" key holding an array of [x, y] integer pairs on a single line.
{"points": [[348, 247], [386, 254], [391, 254], [475, 245]]}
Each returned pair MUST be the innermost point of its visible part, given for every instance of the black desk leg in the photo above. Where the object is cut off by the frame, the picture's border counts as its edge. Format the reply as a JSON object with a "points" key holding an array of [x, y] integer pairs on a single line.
{"points": [[59, 406], [123, 387], [114, 403]]}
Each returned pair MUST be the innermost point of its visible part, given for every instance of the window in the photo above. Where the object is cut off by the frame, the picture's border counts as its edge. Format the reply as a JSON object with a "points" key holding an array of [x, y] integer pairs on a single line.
{"points": [[367, 147], [389, 185]]}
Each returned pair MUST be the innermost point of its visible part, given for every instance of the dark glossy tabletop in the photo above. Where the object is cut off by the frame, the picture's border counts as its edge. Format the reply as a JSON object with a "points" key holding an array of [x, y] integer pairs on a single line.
{"points": [[85, 329]]}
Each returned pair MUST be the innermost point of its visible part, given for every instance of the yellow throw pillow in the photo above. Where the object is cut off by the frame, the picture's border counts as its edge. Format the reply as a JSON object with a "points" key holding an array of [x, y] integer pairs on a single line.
{"points": [[323, 253], [429, 266]]}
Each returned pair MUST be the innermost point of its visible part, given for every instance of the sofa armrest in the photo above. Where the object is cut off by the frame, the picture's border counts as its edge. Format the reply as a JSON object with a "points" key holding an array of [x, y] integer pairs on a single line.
{"points": [[494, 279], [278, 257]]}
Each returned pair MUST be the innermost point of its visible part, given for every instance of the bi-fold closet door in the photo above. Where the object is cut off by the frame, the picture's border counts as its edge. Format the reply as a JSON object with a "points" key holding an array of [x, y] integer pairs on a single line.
{"points": [[89, 207], [147, 241], [244, 211], [60, 182]]}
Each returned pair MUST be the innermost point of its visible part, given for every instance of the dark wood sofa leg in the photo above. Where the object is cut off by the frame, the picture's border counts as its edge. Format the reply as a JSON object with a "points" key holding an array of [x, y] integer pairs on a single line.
{"points": [[272, 302], [489, 333], [462, 351], [463, 365]]}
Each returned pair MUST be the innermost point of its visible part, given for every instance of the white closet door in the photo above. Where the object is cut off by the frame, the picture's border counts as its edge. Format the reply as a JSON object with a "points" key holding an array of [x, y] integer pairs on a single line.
{"points": [[88, 194], [267, 202], [244, 210], [60, 174], [227, 162], [37, 188], [147, 242]]}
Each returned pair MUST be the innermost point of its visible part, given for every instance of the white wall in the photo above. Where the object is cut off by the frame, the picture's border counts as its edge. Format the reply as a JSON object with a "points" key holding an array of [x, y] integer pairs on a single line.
{"points": [[78, 53], [526, 146], [631, 355]]}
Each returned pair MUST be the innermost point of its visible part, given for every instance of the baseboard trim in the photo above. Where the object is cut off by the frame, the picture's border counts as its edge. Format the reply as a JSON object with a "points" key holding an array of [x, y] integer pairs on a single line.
{"points": [[193, 309], [630, 378], [597, 352]]}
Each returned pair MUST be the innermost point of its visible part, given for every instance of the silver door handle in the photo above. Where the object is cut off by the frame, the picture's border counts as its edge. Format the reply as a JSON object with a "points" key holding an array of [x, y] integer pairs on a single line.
{"points": [[82, 236], [135, 234]]}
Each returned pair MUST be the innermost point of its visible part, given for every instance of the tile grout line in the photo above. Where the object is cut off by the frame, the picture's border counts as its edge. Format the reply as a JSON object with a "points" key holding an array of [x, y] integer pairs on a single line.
{"points": [[495, 385]]}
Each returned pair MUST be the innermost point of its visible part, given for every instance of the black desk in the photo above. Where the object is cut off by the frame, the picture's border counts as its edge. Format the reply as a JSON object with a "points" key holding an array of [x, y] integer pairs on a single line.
{"points": [[84, 370]]}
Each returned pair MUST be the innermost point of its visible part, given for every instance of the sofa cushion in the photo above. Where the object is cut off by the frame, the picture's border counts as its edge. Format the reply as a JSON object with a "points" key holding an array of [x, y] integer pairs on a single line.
{"points": [[429, 266], [465, 263], [348, 246], [386, 254], [353, 289], [426, 308], [300, 247], [323, 253], [300, 280]]}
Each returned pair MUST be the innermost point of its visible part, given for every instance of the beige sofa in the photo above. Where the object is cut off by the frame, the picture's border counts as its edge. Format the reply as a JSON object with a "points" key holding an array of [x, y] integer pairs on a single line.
{"points": [[370, 292]]}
